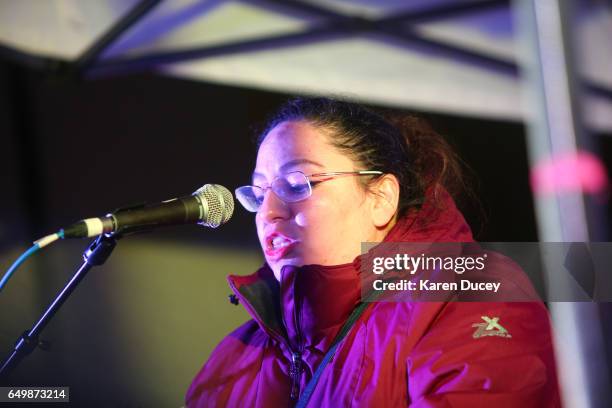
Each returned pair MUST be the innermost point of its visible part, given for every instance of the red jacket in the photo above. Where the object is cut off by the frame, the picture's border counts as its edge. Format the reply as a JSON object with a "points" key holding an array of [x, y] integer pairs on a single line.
{"points": [[396, 354]]}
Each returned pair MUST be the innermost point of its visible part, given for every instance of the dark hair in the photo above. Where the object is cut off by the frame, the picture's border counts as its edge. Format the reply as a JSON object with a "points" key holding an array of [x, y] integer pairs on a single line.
{"points": [[403, 145]]}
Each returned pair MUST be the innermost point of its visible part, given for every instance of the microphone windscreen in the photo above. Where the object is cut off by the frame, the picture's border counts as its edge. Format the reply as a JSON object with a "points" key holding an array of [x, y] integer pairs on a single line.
{"points": [[218, 204]]}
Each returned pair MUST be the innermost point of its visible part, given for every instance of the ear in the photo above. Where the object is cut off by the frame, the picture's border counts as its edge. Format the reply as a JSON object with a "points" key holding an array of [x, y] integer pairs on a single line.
{"points": [[385, 198]]}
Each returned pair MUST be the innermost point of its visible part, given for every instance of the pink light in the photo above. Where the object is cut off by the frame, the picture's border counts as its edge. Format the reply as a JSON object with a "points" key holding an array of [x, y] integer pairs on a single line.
{"points": [[570, 173]]}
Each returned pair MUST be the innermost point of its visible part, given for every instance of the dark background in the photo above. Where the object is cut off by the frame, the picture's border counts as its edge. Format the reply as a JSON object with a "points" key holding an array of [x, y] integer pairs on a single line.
{"points": [[73, 149]]}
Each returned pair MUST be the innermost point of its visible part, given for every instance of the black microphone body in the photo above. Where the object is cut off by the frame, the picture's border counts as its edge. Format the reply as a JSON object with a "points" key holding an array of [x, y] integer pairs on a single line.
{"points": [[211, 206]]}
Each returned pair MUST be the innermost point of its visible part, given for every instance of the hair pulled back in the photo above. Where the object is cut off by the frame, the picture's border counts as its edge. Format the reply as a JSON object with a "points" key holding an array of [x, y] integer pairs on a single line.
{"points": [[403, 145]]}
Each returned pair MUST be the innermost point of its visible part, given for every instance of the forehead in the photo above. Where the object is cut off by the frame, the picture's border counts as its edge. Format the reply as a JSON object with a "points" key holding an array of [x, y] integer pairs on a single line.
{"points": [[295, 142]]}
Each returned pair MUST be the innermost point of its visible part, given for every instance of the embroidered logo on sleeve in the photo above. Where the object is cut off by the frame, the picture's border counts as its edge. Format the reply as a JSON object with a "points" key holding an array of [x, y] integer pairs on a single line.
{"points": [[490, 327]]}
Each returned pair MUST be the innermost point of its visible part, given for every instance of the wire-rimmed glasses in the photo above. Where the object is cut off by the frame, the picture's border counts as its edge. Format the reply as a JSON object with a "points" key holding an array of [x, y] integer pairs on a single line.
{"points": [[290, 187]]}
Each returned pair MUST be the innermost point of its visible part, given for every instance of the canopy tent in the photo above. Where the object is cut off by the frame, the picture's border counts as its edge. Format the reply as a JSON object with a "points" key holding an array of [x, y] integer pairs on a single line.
{"points": [[444, 56], [448, 56]]}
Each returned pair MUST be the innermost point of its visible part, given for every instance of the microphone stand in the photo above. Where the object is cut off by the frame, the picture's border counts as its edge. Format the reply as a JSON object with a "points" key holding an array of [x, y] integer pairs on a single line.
{"points": [[96, 254]]}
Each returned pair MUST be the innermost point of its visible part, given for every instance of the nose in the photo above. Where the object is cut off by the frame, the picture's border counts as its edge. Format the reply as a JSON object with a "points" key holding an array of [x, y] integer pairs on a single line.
{"points": [[273, 208]]}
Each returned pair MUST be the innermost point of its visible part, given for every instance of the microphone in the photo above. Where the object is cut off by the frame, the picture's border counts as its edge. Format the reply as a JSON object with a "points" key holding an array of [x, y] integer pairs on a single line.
{"points": [[210, 206]]}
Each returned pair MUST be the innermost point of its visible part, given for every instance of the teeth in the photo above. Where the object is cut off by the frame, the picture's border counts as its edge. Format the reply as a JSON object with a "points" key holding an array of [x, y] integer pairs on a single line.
{"points": [[280, 242]]}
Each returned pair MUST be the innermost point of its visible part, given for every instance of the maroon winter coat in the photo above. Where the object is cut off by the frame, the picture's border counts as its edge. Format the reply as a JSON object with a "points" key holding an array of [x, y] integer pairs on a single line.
{"points": [[396, 354]]}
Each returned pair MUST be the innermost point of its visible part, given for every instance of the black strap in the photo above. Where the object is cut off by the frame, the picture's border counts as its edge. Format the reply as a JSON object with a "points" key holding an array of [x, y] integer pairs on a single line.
{"points": [[305, 397]]}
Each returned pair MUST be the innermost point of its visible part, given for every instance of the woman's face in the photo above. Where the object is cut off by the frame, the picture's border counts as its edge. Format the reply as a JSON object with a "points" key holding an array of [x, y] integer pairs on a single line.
{"points": [[328, 227]]}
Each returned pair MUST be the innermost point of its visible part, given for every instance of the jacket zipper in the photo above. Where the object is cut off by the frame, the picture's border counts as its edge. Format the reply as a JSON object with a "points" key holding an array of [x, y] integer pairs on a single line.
{"points": [[295, 366], [295, 369]]}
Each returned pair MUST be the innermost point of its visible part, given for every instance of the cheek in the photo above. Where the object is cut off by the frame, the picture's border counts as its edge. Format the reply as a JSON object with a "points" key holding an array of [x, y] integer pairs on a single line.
{"points": [[317, 216], [327, 226], [315, 220], [301, 220], [317, 231], [260, 229]]}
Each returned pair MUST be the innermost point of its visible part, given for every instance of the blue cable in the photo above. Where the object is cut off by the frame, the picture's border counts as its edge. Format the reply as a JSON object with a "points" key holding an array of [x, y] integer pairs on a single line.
{"points": [[16, 264], [21, 259]]}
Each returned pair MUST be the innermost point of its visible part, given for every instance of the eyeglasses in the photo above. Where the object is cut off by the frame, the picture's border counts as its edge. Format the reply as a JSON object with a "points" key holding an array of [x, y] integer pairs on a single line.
{"points": [[290, 187]]}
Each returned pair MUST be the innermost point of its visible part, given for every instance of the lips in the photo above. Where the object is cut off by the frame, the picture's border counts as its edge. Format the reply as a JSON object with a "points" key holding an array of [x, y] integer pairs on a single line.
{"points": [[278, 245]]}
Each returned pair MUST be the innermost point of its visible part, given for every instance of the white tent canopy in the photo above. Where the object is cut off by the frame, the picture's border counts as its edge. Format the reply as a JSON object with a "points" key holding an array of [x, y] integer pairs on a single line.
{"points": [[447, 56], [452, 56]]}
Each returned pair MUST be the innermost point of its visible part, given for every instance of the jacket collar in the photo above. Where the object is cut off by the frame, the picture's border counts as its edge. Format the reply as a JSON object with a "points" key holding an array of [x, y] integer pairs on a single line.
{"points": [[309, 305]]}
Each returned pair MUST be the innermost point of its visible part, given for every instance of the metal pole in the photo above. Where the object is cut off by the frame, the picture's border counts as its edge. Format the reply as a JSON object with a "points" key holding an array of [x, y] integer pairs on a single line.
{"points": [[563, 216], [89, 57]]}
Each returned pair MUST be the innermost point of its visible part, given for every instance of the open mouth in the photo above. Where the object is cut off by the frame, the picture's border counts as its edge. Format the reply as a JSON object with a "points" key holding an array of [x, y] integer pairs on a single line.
{"points": [[277, 246]]}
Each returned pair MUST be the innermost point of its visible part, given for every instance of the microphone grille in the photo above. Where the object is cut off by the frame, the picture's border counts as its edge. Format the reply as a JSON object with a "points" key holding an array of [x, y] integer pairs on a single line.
{"points": [[218, 204]]}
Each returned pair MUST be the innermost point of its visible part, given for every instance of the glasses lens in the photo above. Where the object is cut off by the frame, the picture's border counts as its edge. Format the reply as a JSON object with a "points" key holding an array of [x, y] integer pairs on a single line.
{"points": [[250, 197], [292, 187]]}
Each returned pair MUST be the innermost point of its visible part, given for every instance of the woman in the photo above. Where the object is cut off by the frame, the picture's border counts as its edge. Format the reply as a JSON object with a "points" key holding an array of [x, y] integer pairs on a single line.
{"points": [[329, 176]]}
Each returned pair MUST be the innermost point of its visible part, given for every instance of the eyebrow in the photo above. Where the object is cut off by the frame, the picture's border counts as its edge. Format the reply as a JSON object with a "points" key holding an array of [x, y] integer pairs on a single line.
{"points": [[293, 163]]}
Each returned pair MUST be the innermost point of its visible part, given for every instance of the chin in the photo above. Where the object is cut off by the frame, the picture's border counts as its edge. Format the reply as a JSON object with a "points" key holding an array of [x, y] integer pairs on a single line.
{"points": [[278, 265]]}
